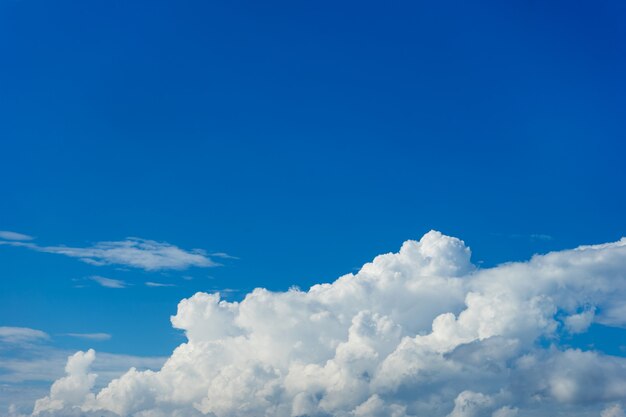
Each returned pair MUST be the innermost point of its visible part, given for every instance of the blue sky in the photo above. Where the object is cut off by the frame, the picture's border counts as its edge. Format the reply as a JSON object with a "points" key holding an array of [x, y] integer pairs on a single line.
{"points": [[301, 139]]}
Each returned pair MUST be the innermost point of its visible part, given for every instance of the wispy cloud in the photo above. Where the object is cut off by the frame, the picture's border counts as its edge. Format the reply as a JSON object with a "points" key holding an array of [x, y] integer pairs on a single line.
{"points": [[226, 290], [134, 252], [8, 235], [223, 255], [109, 282], [90, 336], [540, 236], [21, 335], [533, 237], [158, 284]]}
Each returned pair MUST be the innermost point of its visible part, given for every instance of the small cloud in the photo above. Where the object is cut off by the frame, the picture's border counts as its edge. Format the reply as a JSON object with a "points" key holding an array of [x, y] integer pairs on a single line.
{"points": [[8, 235], [90, 336], [21, 335], [226, 291], [539, 236], [109, 282], [158, 284], [533, 237], [579, 323], [613, 411], [223, 255], [132, 252]]}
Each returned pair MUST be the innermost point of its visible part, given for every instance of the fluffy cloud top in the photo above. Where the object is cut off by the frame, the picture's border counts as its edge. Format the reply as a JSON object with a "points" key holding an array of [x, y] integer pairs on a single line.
{"points": [[73, 389], [421, 332]]}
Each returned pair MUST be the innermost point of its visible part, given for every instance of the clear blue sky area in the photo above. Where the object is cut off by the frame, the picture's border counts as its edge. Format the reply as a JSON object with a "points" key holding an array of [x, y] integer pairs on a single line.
{"points": [[303, 138]]}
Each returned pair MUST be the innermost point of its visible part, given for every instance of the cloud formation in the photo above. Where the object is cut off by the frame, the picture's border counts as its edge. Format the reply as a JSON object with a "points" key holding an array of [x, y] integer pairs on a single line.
{"points": [[158, 284], [108, 282], [90, 336], [8, 235], [134, 252], [421, 332], [16, 335], [29, 361]]}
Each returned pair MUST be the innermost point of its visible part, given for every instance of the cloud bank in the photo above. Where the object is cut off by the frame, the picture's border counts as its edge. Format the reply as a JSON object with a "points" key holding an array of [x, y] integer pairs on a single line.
{"points": [[421, 332]]}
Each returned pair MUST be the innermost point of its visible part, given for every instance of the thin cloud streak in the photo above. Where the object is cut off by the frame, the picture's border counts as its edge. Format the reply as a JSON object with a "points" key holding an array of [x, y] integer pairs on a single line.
{"points": [[109, 282], [146, 254], [8, 235], [223, 255], [158, 284], [21, 335], [90, 336]]}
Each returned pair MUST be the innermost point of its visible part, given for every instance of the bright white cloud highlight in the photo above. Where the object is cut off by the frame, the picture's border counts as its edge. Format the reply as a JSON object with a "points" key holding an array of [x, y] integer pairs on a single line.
{"points": [[72, 389], [421, 332]]}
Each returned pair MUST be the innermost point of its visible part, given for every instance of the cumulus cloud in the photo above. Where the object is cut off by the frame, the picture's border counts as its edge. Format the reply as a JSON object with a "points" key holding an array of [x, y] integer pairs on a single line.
{"points": [[469, 404], [74, 388], [26, 371], [133, 252], [421, 332]]}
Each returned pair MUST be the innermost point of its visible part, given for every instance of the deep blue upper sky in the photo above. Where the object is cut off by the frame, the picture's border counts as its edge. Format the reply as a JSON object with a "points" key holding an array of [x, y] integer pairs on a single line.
{"points": [[303, 138]]}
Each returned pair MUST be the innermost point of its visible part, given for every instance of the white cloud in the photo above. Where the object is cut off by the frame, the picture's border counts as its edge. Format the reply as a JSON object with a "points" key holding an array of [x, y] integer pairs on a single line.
{"points": [[8, 235], [134, 252], [420, 332], [21, 335], [90, 336], [74, 388], [22, 377], [470, 404], [613, 411], [158, 284], [109, 282], [505, 411], [540, 236], [223, 255], [579, 323]]}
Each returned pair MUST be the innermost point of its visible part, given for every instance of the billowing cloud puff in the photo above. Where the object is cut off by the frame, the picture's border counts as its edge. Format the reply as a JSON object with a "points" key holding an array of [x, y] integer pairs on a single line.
{"points": [[421, 332], [74, 388]]}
